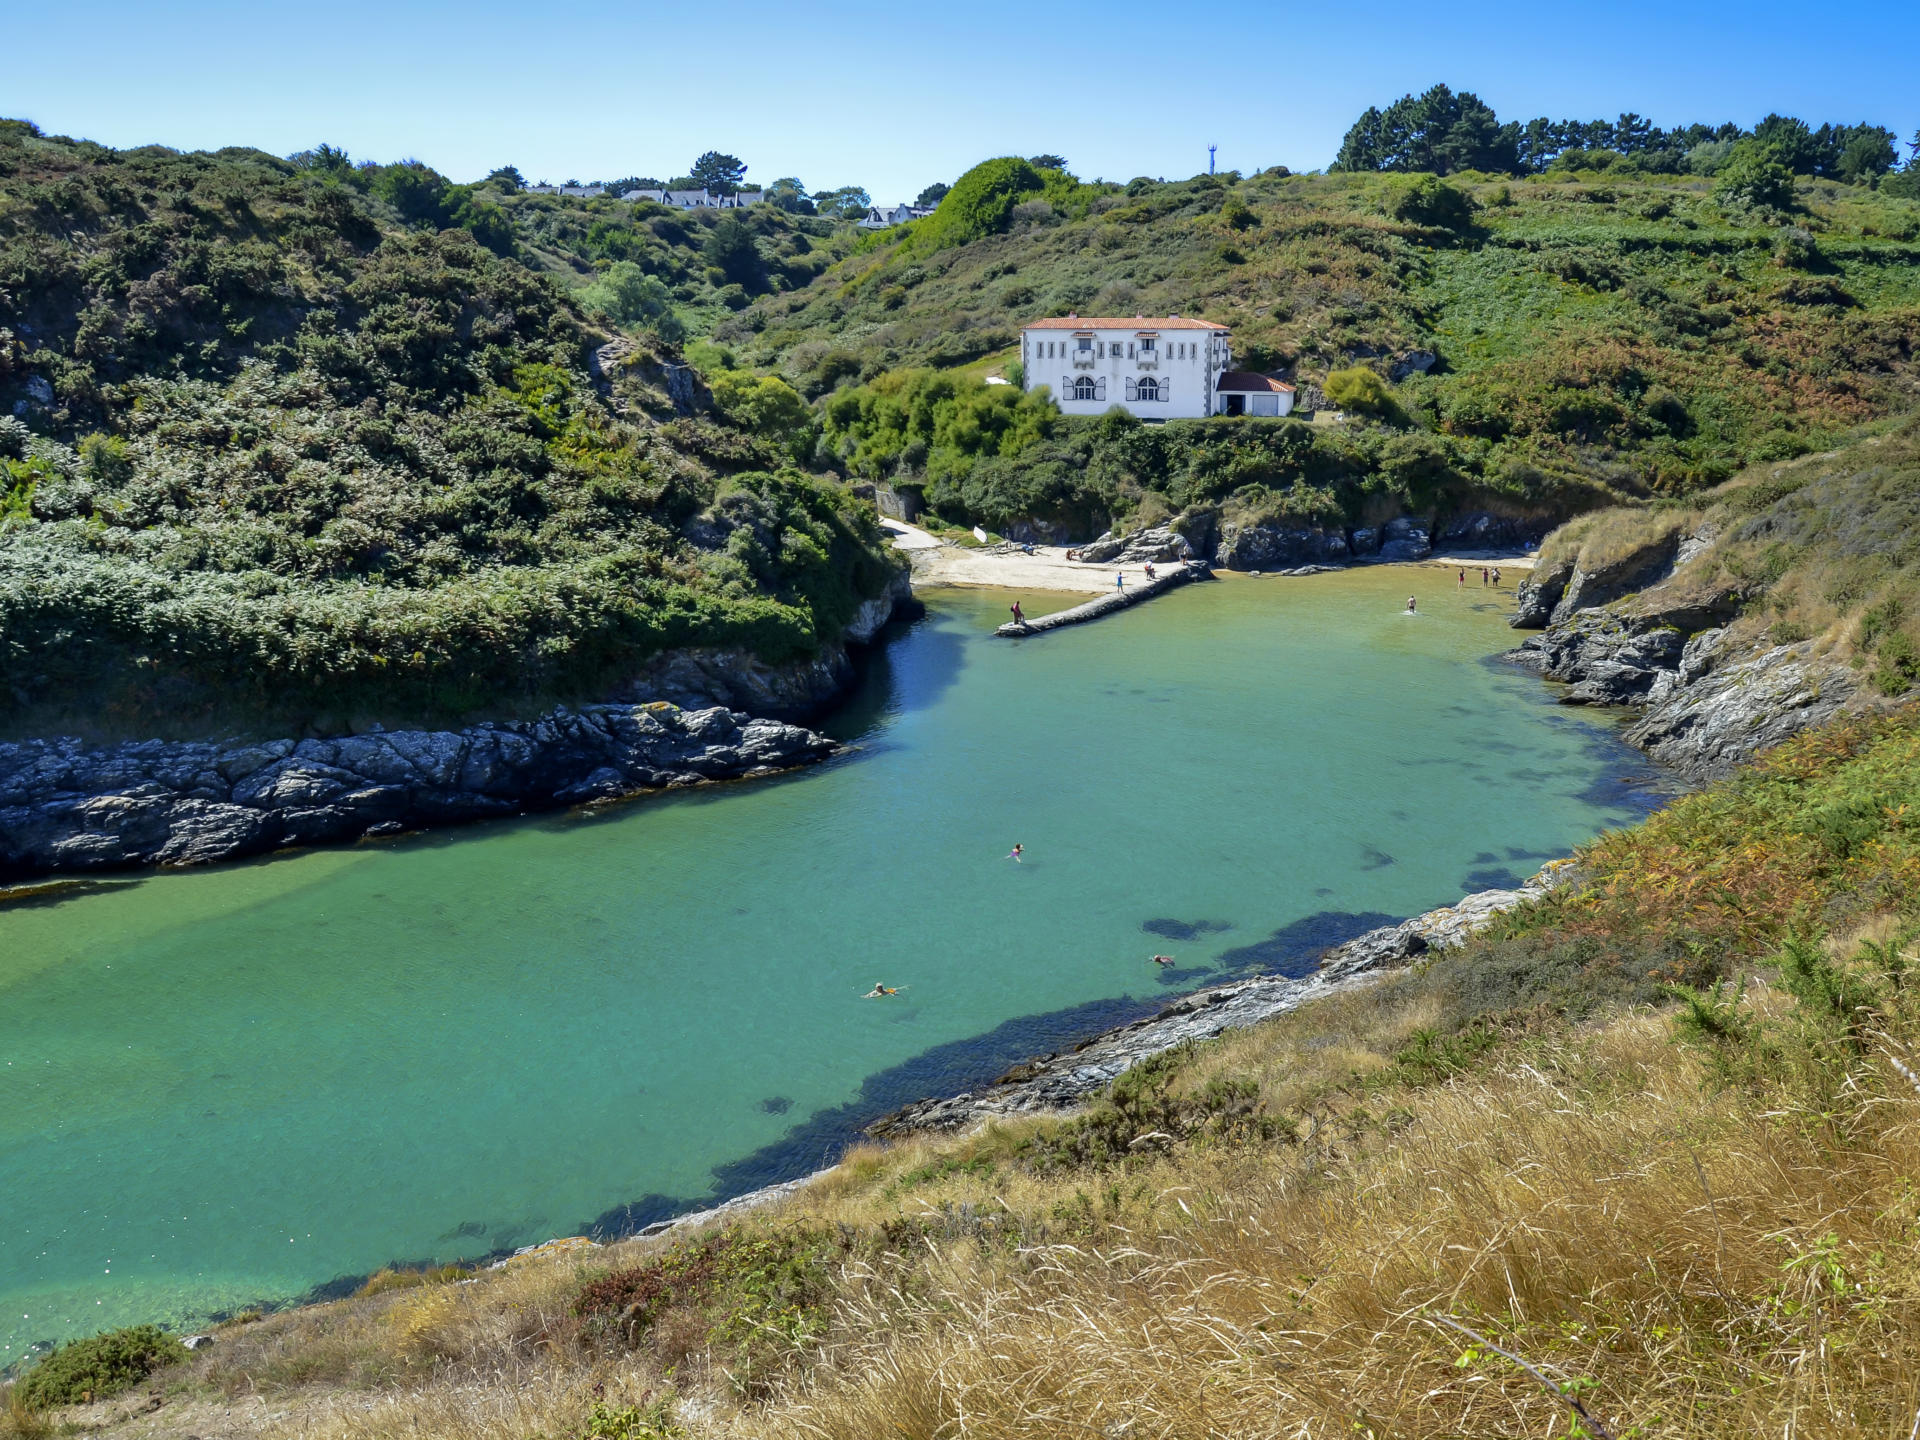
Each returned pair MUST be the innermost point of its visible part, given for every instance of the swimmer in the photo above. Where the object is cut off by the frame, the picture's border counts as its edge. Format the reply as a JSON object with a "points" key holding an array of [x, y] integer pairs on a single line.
{"points": [[1015, 853], [879, 992], [1163, 960]]}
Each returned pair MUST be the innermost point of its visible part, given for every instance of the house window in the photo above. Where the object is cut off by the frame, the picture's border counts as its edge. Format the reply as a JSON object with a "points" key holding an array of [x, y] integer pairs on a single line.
{"points": [[1149, 388], [1146, 345], [1086, 344], [1083, 388]]}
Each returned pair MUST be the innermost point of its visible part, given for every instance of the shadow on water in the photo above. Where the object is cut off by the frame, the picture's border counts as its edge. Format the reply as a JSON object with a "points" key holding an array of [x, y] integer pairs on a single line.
{"points": [[1293, 950], [943, 1070], [1171, 929], [912, 665]]}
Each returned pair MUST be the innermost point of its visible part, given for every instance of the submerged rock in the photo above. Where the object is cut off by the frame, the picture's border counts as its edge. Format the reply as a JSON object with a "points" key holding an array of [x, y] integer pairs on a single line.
{"points": [[66, 806]]}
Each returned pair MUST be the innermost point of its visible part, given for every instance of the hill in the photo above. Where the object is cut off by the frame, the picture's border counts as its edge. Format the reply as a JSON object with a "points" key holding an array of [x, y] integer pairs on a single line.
{"points": [[278, 450], [1542, 343]]}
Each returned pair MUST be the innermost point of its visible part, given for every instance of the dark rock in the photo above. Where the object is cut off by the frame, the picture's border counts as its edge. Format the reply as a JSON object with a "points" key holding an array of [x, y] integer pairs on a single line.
{"points": [[1484, 530], [1279, 547], [72, 807], [1405, 538]]}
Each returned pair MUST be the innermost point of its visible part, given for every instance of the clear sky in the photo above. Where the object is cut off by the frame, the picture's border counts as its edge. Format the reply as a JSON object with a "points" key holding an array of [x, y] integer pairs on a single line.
{"points": [[892, 96]]}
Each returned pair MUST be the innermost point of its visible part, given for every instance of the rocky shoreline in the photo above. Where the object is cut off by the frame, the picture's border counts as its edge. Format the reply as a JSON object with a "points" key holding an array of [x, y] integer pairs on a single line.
{"points": [[69, 807], [689, 717], [1636, 633]]}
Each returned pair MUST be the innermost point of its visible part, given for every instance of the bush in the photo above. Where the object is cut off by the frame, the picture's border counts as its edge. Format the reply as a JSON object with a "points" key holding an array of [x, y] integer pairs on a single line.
{"points": [[1433, 203], [105, 1365], [1360, 390], [1754, 182]]}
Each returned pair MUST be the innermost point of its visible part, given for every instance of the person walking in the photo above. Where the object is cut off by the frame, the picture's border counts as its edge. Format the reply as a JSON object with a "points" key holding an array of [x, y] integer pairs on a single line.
{"points": [[1018, 617], [1120, 581]]}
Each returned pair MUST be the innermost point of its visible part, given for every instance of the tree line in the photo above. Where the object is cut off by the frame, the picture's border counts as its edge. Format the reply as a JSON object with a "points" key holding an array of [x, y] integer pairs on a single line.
{"points": [[1443, 131]]}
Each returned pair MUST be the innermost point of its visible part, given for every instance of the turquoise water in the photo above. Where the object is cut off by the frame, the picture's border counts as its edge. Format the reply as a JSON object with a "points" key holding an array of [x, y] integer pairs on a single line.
{"points": [[235, 1085]]}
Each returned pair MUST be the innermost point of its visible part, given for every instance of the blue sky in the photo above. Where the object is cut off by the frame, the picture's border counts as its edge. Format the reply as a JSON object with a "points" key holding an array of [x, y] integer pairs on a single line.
{"points": [[892, 96]]}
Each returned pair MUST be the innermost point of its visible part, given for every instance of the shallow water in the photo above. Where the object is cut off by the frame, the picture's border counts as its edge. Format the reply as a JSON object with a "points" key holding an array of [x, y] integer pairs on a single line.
{"points": [[235, 1085]]}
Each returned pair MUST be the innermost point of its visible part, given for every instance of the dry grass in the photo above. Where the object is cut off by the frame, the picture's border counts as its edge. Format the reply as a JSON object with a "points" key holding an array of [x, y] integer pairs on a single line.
{"points": [[1608, 538], [1709, 1267]]}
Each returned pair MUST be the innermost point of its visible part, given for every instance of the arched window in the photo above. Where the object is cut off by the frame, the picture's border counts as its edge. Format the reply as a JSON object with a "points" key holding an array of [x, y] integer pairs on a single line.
{"points": [[1149, 388], [1083, 388]]}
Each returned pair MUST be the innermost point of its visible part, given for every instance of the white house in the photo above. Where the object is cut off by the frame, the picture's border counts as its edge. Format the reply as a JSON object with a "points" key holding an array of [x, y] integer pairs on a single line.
{"points": [[1159, 369], [885, 217], [698, 199]]}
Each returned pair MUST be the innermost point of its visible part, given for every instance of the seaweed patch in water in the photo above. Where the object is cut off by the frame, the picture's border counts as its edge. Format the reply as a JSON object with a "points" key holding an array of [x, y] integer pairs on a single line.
{"points": [[1491, 879], [776, 1104], [1294, 950], [1184, 929], [1377, 859]]}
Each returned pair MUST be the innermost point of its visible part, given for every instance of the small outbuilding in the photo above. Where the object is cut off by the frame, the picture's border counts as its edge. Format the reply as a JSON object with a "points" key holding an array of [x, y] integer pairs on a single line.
{"points": [[1242, 392]]}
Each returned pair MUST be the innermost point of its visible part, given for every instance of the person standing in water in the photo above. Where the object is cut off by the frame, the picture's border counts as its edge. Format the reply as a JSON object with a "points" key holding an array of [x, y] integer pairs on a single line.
{"points": [[1015, 853], [1413, 605], [1463, 579], [1496, 577]]}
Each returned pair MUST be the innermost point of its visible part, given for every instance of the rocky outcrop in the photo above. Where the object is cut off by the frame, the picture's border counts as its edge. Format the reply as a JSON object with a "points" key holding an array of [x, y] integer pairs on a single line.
{"points": [[1156, 545], [1058, 1082], [1273, 546], [1710, 704], [1704, 721], [1405, 538], [66, 806], [1484, 530], [740, 680], [1557, 591]]}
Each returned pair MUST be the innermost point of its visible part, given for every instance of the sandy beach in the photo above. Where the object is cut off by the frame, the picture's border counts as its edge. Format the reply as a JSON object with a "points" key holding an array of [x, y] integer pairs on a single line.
{"points": [[936, 562]]}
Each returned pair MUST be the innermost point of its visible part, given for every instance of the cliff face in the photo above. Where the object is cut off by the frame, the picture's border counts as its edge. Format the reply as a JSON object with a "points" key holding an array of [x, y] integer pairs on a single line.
{"points": [[1654, 630]]}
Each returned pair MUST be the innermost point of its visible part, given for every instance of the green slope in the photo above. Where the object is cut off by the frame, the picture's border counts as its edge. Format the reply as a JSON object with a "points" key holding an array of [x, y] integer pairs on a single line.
{"points": [[278, 453]]}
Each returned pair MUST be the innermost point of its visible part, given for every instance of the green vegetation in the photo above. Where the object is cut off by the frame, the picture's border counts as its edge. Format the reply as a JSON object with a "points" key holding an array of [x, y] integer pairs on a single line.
{"points": [[1620, 334], [292, 452], [100, 1367]]}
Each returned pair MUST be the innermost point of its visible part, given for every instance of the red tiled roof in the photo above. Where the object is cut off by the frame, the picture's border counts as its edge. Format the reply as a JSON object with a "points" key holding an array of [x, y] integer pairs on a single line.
{"points": [[1242, 381], [1135, 322]]}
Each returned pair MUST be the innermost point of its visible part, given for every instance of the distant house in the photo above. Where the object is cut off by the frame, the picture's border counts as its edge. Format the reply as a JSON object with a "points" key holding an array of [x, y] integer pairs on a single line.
{"points": [[698, 199], [583, 192], [885, 217], [1169, 368]]}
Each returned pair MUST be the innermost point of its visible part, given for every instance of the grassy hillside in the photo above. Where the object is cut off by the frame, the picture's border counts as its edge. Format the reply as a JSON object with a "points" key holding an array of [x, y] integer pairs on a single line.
{"points": [[1686, 1203], [281, 452], [1595, 335]]}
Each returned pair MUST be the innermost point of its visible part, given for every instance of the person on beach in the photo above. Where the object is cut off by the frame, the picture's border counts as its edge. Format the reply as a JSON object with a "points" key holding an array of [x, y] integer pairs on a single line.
{"points": [[1496, 577], [1015, 853], [879, 992], [1413, 605], [1149, 569], [1018, 618], [1483, 574], [1163, 960], [1120, 581]]}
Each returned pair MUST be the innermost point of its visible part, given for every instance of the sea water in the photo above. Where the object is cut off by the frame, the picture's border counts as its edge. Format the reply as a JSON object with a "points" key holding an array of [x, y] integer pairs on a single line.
{"points": [[255, 1082]]}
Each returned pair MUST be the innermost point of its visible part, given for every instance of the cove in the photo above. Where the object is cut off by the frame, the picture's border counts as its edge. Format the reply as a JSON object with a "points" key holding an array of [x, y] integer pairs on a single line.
{"points": [[231, 1086]]}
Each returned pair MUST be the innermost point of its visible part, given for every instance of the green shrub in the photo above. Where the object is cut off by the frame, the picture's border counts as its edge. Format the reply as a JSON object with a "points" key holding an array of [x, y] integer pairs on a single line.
{"points": [[1899, 667], [96, 1368], [980, 203], [1431, 202], [1360, 390]]}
